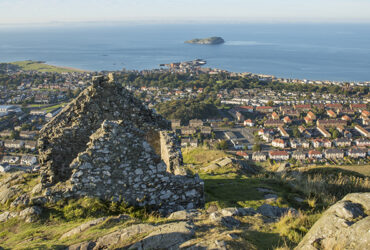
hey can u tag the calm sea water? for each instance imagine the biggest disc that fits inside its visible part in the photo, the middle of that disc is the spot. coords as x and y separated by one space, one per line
306 51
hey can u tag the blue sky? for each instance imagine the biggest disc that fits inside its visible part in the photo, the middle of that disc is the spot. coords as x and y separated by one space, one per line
49 11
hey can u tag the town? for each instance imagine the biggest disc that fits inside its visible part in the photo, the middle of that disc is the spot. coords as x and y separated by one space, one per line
259 123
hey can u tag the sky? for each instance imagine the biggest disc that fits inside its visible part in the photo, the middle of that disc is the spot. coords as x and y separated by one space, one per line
66 11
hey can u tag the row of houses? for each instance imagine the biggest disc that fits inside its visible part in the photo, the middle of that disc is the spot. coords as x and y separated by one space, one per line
318 142
19 144
332 153
26 160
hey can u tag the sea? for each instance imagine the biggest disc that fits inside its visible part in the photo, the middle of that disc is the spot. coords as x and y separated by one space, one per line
336 52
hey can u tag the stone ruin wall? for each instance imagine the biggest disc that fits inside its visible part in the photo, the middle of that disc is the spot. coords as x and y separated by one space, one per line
171 153
106 144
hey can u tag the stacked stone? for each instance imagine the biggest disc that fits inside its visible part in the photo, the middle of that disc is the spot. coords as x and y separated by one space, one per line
106 144
67 134
171 153
118 165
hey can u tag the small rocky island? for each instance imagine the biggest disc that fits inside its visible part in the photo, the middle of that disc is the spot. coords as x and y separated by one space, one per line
207 41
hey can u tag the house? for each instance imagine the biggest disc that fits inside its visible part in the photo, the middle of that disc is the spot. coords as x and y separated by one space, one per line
362 131
31 145
38 112
334 153
334 106
311 115
323 131
10 159
314 154
13 144
188 130
357 152
294 143
189 142
175 124
265 109
326 143
278 143
243 154
246 108
283 132
299 155
346 111
195 123
275 116
331 123
331 113
358 106
28 134
273 123
248 123
292 113
307 120
259 156
302 107
301 129
365 121
28 160
207 131
365 113
287 120
362 143
6 133
346 118
342 142
279 155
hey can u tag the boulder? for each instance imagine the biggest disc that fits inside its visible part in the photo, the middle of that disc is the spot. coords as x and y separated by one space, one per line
274 212
30 214
345 225
184 215
82 227
4 217
167 236
122 235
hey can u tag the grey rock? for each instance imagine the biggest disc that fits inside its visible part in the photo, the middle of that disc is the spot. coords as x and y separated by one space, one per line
82 246
270 197
274 211
122 235
4 217
82 227
345 225
7 193
30 214
184 215
168 236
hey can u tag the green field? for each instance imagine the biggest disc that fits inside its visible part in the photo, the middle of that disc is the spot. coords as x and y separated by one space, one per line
42 67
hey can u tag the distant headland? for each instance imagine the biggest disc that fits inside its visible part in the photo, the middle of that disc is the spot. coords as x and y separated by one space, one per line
207 41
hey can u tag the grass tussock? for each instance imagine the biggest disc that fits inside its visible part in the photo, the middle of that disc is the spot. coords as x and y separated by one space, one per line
293 227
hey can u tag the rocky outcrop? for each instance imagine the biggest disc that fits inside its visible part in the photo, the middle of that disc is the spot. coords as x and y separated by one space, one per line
345 225
106 144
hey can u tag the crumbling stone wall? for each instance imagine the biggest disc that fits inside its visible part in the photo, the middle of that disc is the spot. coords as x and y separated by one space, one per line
106 144
171 153
68 133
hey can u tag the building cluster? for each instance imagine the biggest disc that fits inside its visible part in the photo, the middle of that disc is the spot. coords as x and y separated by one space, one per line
308 131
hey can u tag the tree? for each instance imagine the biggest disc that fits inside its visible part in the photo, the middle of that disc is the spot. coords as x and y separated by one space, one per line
256 147
222 145
296 133
270 103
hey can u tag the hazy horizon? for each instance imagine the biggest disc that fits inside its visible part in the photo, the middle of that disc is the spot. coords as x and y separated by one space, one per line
42 12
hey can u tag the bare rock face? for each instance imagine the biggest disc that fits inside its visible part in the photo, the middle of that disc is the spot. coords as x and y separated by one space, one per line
345 225
106 144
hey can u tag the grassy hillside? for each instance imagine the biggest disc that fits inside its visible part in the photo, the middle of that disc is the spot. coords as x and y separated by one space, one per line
43 67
